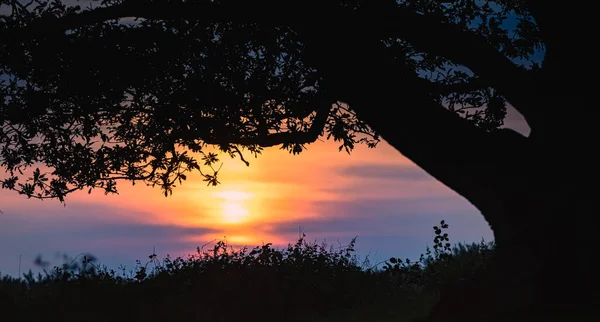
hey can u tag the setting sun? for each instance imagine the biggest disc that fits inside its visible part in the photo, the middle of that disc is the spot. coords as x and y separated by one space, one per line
234 208
234 213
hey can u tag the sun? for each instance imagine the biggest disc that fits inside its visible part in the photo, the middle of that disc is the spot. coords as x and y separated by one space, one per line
234 213
234 206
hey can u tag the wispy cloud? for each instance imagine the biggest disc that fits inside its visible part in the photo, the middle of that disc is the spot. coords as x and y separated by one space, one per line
375 171
75 231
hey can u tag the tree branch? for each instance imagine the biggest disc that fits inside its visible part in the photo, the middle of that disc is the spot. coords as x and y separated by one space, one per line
273 139
546 14
424 32
197 11
448 147
397 107
463 87
466 48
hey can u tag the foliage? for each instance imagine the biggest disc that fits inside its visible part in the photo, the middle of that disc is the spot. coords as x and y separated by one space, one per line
88 97
445 265
303 281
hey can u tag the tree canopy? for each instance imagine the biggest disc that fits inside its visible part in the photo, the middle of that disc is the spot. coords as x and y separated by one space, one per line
140 90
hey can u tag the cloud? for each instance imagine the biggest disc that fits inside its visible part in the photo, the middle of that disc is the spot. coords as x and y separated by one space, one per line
376 181
389 228
411 217
114 242
385 172
17 232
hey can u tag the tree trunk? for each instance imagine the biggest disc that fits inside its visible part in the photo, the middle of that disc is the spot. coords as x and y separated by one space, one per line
545 270
543 218
537 192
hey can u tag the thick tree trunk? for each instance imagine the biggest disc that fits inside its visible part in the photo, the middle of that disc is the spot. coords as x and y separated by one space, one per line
544 223
537 193
545 270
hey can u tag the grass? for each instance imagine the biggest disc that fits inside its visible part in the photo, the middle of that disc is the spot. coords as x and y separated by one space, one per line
303 282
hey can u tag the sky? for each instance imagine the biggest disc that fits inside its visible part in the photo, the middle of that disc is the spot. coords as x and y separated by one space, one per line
376 195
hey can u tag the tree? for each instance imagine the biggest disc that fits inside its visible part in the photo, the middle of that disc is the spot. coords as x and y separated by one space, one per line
95 96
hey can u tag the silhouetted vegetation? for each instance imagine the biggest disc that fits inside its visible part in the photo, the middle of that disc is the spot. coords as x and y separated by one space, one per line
305 281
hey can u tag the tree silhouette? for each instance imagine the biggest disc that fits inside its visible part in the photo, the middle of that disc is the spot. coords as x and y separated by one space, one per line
125 88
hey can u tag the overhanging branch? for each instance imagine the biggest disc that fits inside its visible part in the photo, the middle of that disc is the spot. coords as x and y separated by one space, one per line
424 32
194 11
481 166
463 87
469 160
273 139
465 48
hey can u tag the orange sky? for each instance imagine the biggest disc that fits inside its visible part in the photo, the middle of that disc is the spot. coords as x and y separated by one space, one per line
374 193
276 188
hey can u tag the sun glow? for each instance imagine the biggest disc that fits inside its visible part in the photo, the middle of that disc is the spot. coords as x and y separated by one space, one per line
234 206
234 213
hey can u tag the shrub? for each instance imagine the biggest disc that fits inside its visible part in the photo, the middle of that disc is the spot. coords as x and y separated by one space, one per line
305 280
